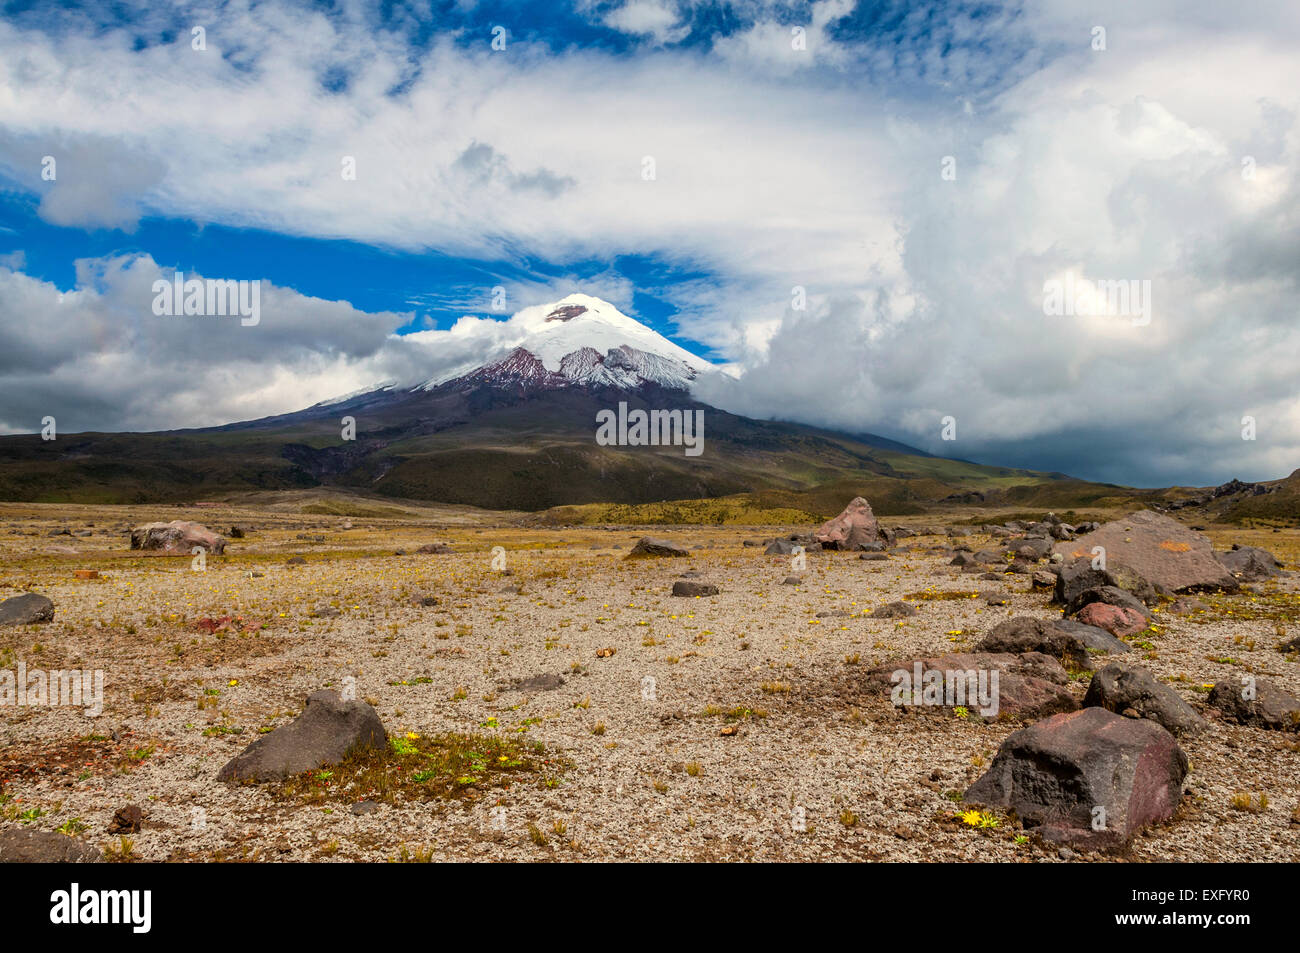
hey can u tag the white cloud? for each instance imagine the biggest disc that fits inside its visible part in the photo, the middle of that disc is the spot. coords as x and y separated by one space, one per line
925 294
653 18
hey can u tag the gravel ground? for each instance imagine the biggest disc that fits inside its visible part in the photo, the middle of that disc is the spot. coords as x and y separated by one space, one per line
871 782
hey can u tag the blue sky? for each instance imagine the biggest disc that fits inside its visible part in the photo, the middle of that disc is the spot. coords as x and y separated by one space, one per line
918 172
434 288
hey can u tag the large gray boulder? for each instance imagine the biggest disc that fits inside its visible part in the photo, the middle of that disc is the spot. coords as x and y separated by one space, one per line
1250 563
1119 688
178 536
326 732
1089 778
1161 550
27 609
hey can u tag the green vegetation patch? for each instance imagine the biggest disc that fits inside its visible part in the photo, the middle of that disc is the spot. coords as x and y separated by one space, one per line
417 768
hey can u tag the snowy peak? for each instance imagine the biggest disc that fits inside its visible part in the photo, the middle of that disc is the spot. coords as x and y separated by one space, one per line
584 341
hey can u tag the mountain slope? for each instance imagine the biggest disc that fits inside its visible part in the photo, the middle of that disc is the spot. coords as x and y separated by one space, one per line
516 431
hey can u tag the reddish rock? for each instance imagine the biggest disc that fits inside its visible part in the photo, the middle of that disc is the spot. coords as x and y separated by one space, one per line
854 529
1029 685
1116 620
127 820
1090 778
1158 549
178 536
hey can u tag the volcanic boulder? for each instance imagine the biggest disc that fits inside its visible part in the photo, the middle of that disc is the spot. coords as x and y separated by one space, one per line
1088 778
1029 685
178 536
1258 703
855 529
685 587
1077 576
1119 687
21 846
648 546
1109 595
27 609
1161 550
1069 643
1250 563
1116 620
325 733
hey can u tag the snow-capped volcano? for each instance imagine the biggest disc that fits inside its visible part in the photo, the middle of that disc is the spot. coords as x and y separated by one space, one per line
584 341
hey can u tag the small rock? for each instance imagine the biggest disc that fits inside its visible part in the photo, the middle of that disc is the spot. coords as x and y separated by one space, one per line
894 610
1116 620
127 820
537 683
648 546
684 587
